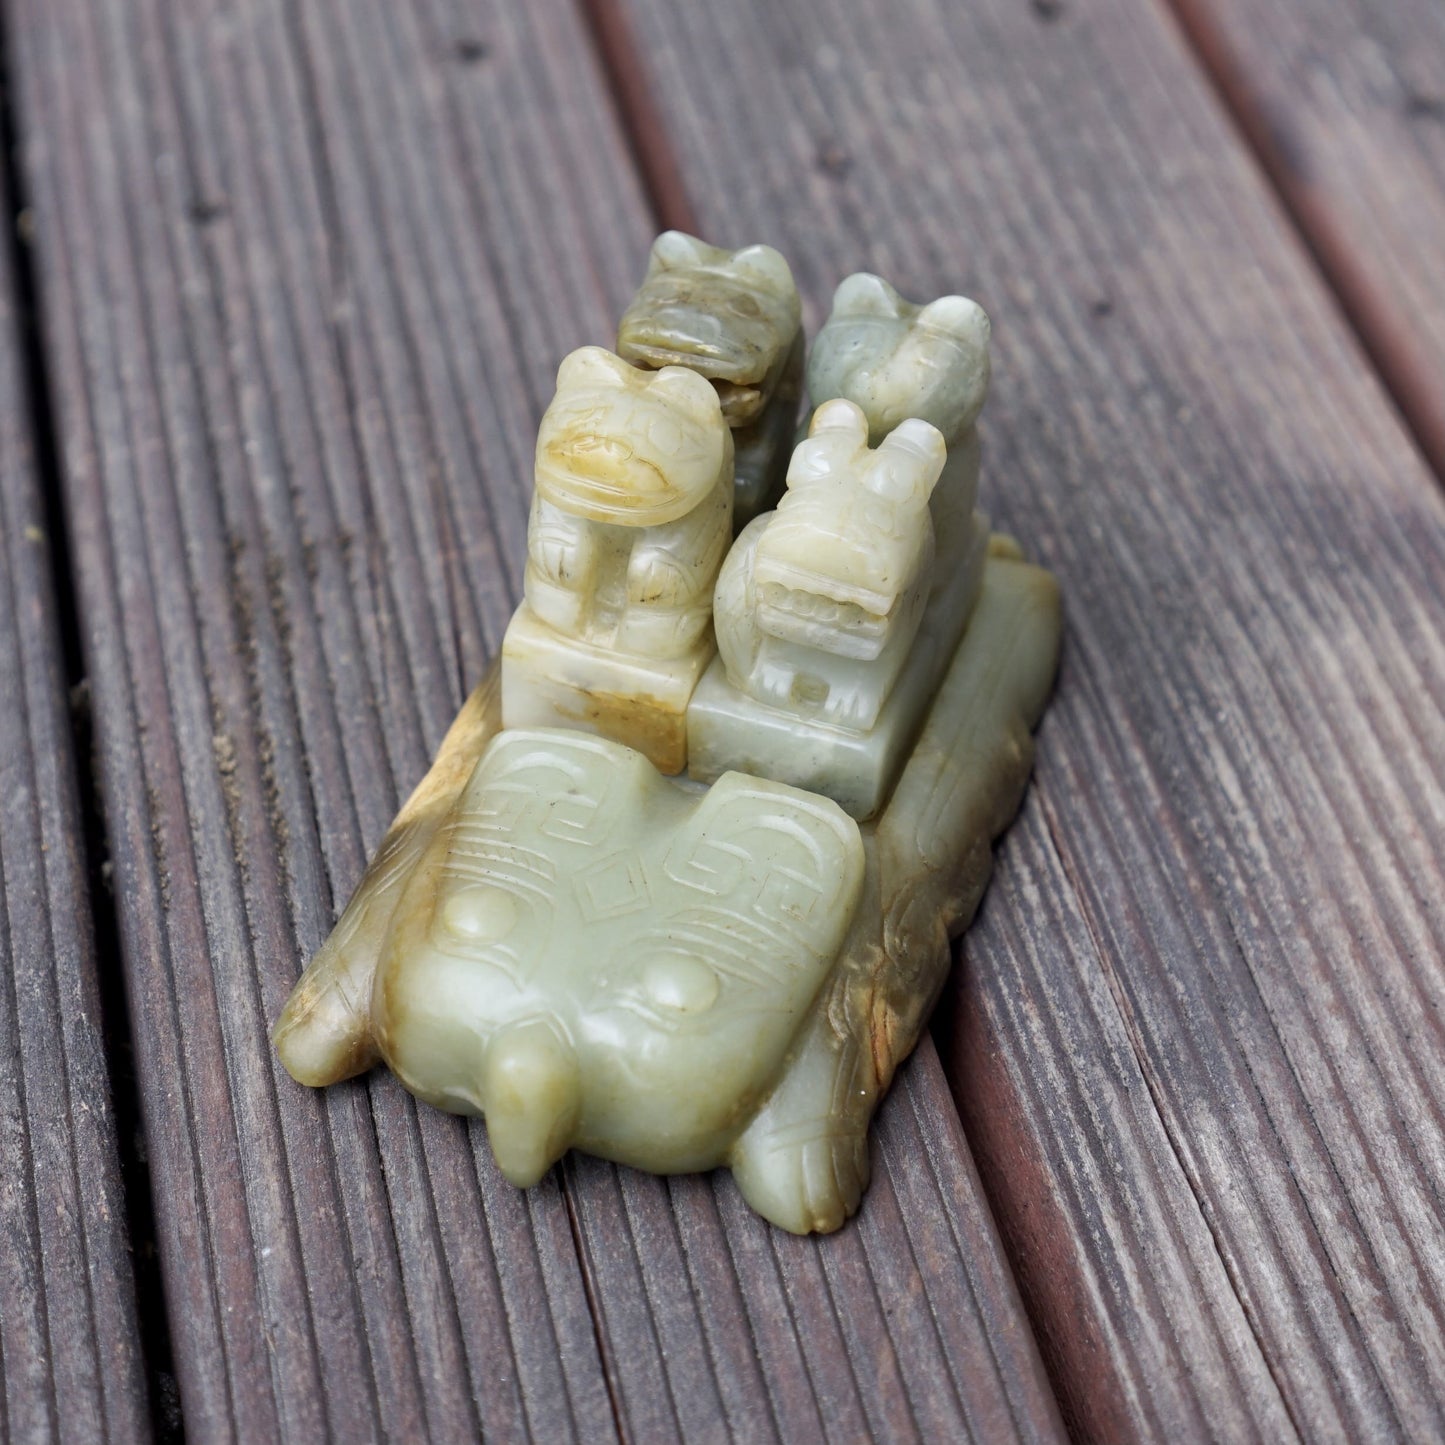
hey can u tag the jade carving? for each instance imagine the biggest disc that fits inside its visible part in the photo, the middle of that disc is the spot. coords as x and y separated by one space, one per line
735 318
631 517
680 886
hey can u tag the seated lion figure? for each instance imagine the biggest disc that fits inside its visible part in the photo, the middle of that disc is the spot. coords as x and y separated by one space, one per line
818 602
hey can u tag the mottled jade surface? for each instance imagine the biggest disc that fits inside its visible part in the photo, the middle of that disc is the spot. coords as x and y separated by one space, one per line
679 887
631 519
735 318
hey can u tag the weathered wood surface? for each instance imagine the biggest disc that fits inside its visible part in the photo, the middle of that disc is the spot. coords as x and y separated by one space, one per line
307 271
1344 101
69 1352
1198 1043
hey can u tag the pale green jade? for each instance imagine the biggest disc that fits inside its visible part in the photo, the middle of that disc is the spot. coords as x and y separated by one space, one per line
593 955
724 970
837 613
735 318
896 360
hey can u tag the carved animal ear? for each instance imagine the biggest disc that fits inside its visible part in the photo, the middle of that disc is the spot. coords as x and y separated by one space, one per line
673 250
966 325
689 393
840 416
912 455
959 317
766 268
863 294
820 456
591 366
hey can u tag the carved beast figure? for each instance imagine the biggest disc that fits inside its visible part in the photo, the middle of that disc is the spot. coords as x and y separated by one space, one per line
819 601
630 513
896 360
630 520
733 317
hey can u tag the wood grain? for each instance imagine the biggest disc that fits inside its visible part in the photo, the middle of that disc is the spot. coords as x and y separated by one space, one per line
308 270
1344 103
70 1361
1197 1042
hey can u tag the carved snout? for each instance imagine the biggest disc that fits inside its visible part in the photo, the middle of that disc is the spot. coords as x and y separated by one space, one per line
532 1097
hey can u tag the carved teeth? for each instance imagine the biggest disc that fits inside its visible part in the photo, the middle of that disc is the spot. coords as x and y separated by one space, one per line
854 522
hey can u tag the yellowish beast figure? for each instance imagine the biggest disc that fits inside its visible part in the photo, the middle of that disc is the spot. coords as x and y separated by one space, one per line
631 518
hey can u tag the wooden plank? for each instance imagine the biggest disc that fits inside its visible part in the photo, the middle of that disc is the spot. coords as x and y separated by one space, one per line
903 1326
340 1265
70 1362
1344 102
308 271
1197 1043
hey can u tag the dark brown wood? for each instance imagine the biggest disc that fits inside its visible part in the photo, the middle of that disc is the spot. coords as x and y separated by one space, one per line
70 1361
904 1326
1344 102
1198 1040
308 270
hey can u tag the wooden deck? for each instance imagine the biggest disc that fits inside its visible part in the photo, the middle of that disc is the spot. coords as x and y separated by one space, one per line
289 283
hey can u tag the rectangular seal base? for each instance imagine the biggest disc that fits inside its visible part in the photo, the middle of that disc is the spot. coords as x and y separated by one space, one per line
549 680
729 731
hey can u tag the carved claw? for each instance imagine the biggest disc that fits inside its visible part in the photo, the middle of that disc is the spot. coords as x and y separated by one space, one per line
655 578
808 1179
803 1162
324 1032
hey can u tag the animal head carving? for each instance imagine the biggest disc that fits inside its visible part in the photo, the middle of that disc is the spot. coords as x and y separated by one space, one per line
589 954
631 447
730 316
852 535
896 360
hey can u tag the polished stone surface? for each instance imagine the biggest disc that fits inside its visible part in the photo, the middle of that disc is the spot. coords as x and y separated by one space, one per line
735 318
723 969
630 521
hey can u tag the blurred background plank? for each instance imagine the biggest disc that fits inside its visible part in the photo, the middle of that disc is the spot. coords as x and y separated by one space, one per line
1344 101
1197 1041
307 271
70 1359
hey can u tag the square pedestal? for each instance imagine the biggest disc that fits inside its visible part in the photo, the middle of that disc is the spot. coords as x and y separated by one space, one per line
549 680
729 731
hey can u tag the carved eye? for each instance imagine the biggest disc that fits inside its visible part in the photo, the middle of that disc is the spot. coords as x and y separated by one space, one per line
677 982
599 444
481 915
664 434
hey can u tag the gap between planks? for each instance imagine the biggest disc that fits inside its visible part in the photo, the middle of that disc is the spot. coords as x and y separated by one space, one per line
659 164
634 95
154 1343
640 116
